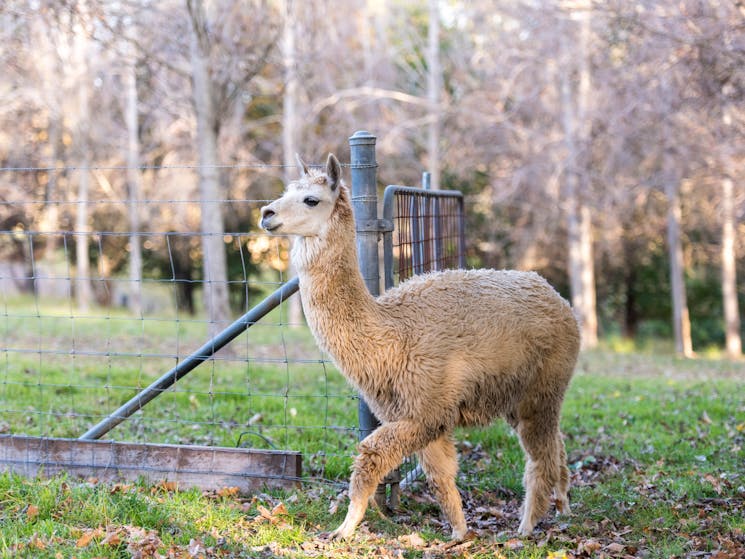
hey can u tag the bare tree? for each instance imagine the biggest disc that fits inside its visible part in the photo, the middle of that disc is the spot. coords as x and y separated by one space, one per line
681 317
133 172
733 344
576 122
82 52
216 300
290 124
47 36
221 67
434 86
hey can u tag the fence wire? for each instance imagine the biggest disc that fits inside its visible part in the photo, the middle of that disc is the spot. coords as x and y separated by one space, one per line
428 232
78 341
66 362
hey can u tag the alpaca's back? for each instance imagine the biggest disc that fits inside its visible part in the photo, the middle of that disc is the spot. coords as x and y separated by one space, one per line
482 305
483 337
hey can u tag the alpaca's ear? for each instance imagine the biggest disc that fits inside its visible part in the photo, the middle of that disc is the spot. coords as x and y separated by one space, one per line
301 164
333 171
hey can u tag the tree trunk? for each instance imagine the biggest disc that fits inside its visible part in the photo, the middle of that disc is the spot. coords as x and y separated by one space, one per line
590 326
576 124
290 125
50 214
83 289
589 296
434 81
729 280
133 184
50 66
681 319
213 248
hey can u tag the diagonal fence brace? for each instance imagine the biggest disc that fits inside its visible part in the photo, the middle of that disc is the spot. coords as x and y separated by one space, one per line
192 361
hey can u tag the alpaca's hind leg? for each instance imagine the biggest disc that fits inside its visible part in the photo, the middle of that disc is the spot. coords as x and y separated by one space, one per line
561 492
440 463
538 436
379 453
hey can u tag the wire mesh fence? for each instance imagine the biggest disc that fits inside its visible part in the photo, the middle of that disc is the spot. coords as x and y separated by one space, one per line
100 297
66 362
428 232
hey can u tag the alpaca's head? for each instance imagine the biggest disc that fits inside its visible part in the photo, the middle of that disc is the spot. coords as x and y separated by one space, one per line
306 207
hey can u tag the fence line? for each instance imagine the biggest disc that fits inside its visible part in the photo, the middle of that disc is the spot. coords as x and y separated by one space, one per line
179 166
63 369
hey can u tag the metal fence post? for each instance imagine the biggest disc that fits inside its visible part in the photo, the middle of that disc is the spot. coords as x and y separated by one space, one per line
365 206
368 227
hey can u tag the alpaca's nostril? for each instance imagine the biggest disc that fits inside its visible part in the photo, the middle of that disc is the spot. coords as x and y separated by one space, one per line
268 221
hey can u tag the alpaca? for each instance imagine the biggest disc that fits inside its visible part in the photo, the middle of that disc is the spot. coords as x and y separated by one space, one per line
443 349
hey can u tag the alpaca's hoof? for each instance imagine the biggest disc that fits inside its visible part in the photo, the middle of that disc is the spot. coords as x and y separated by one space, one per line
562 506
331 536
459 535
525 529
462 535
343 532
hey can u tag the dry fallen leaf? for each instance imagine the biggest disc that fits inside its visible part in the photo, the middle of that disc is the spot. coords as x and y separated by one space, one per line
615 548
514 544
142 543
196 547
120 488
588 546
37 543
227 492
113 539
32 512
88 537
413 540
279 510
716 483
167 486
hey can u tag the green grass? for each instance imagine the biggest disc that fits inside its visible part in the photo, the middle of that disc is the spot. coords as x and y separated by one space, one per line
656 453
655 448
60 373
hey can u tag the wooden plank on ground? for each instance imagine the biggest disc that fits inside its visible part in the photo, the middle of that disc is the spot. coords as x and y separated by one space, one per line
188 466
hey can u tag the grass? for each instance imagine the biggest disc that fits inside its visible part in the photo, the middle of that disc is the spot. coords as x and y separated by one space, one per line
60 373
655 448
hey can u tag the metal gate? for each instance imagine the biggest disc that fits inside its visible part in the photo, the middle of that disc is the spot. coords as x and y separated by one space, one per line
428 231
423 231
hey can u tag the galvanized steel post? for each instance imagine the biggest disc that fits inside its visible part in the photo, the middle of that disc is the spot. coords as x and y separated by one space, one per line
365 206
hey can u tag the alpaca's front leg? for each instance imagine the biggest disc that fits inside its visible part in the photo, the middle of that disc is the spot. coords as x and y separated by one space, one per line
379 453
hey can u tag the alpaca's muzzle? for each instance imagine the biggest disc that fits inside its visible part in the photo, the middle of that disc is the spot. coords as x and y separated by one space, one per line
267 215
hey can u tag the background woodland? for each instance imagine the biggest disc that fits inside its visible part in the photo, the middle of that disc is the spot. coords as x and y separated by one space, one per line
599 143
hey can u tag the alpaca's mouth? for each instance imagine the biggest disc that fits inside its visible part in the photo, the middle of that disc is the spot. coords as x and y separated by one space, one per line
270 228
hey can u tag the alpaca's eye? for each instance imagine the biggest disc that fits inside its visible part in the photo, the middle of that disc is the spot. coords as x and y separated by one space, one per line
310 201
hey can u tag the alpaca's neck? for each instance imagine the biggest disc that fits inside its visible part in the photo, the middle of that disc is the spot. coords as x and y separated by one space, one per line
330 279
340 310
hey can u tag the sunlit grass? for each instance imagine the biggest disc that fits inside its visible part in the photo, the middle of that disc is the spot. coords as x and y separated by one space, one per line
662 436
60 373
666 443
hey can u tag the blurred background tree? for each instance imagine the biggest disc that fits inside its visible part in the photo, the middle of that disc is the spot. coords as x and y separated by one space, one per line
599 143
